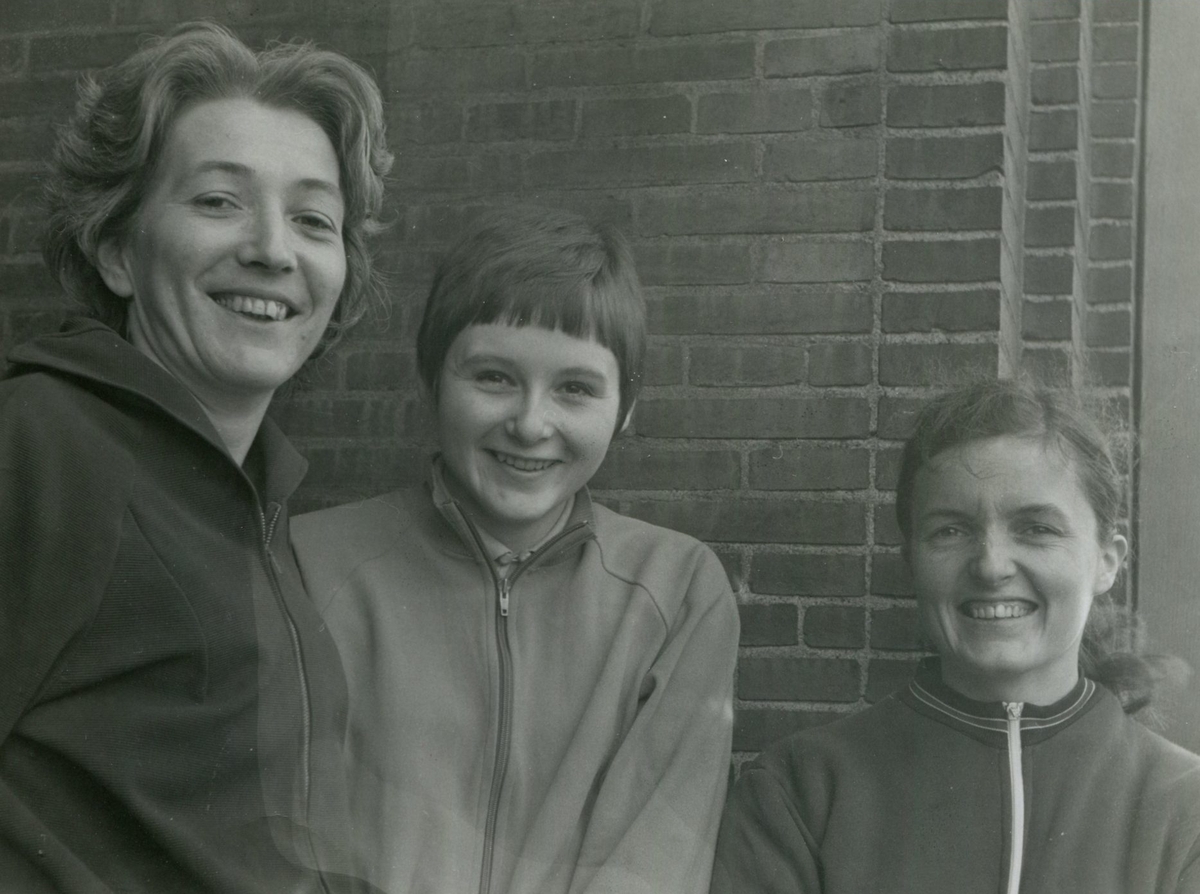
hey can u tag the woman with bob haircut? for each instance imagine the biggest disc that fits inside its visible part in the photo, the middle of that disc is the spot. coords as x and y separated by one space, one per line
170 696
540 688
1010 763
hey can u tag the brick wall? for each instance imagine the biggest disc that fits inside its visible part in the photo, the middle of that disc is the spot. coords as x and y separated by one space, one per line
832 202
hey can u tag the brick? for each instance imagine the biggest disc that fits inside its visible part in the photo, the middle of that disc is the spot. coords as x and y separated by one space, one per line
492 172
958 311
40 15
344 416
839 363
956 49
805 210
909 364
1054 41
550 120
1050 180
834 627
821 160
807 575
798 679
634 65
890 575
1054 130
687 17
760 315
977 208
475 24
774 624
458 71
25 140
1049 274
381 371
1054 9
1047 363
1115 43
632 465
797 417
1116 10
946 10
758 521
365 468
938 158
24 325
756 728
664 366
895 628
850 105
752 365
1047 320
945 105
637 115
1114 118
693 264
1109 330
1111 159
846 52
23 282
258 12
1110 368
959 260
1110 285
896 415
815 262
426 122
20 189
809 467
1054 86
72 52
48 97
641 165
887 529
885 676
1050 227
1116 81
887 473
1110 241
775 111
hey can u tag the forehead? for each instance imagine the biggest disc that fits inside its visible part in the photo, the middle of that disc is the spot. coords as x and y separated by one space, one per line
243 137
532 347
1008 473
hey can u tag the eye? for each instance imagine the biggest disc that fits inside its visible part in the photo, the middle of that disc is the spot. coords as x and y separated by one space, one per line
577 389
317 222
947 534
1037 529
214 202
492 379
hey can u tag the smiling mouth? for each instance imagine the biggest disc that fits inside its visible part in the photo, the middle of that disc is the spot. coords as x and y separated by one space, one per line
997 611
522 464
265 309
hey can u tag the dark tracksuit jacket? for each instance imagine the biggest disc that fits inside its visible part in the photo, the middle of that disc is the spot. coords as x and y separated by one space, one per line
166 691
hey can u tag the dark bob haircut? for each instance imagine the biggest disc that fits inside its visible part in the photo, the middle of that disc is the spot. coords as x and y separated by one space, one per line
530 266
107 154
1056 416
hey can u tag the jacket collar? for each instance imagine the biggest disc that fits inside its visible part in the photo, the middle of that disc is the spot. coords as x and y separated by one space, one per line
90 351
987 722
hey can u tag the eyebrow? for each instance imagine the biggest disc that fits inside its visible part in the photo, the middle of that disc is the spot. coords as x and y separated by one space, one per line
239 170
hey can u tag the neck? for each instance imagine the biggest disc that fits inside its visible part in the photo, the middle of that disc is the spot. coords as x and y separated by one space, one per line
237 430
1033 689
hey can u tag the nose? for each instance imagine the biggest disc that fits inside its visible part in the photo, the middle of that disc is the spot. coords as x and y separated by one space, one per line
530 419
266 242
993 559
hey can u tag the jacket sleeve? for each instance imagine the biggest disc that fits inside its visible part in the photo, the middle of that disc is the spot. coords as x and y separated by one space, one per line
60 517
654 821
764 846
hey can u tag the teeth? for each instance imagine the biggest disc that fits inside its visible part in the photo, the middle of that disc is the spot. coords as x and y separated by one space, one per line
524 465
987 611
255 307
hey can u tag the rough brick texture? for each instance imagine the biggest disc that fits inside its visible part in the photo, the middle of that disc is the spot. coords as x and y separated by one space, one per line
823 199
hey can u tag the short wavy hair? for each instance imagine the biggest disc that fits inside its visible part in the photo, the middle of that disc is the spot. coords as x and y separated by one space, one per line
106 155
526 265
1111 652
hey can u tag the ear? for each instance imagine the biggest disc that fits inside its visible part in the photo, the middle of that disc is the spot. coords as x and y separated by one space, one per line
628 417
114 267
1112 557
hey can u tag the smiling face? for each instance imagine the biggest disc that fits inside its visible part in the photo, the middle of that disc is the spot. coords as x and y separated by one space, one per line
524 418
234 261
1006 560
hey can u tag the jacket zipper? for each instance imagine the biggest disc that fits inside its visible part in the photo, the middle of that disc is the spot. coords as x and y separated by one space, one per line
273 574
1016 781
504 734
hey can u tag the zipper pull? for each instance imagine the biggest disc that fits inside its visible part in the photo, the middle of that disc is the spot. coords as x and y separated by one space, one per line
505 587
1013 709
